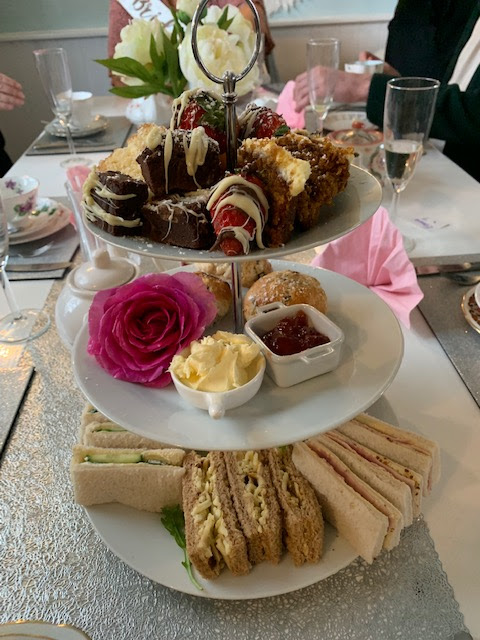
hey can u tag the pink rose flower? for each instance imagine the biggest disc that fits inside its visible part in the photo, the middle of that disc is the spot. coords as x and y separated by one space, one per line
137 328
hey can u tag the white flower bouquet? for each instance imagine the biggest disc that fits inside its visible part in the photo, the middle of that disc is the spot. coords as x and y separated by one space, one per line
152 57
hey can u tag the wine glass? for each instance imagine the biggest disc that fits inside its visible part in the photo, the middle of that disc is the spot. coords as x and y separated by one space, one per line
323 56
408 115
19 325
52 66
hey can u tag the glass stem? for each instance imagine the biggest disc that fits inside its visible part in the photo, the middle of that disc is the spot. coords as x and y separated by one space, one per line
71 146
394 206
319 124
12 304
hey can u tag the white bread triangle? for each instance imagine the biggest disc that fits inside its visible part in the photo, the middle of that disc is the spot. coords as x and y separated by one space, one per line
430 447
394 490
355 518
381 443
143 486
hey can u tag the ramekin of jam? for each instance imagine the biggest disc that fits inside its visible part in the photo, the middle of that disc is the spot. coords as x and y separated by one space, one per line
298 341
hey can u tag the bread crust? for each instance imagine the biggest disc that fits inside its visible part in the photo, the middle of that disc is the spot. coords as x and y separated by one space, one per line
225 542
143 486
301 511
341 505
256 504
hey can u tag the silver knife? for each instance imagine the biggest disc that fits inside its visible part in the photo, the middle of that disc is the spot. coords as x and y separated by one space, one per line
432 269
37 266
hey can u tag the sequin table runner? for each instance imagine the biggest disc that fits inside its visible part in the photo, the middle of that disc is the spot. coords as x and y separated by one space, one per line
54 566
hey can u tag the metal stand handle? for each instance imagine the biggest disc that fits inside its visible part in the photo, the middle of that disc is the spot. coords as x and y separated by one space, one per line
229 97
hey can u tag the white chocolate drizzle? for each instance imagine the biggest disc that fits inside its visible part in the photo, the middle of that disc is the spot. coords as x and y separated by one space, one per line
235 191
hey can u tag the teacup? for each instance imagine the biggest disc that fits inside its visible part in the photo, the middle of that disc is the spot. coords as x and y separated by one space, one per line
19 198
81 109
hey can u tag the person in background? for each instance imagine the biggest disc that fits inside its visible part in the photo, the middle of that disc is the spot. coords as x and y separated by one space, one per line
11 96
439 39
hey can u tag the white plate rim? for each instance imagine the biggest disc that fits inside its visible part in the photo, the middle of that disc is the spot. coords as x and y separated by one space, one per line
60 631
363 195
345 118
156 556
58 221
97 124
363 375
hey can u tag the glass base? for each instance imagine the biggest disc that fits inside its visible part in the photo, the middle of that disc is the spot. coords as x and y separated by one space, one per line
408 243
75 161
31 324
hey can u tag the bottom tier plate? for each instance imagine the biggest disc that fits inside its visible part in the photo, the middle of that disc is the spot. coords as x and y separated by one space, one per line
371 356
140 540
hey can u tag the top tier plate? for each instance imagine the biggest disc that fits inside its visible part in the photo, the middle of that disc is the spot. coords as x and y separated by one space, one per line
353 206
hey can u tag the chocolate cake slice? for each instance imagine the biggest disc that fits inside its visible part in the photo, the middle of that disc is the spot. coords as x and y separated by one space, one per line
113 201
182 221
183 161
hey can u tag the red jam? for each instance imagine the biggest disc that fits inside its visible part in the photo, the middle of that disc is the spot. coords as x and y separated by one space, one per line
292 335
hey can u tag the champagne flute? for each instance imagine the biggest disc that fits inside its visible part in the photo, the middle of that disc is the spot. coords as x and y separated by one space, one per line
323 56
408 115
52 66
19 325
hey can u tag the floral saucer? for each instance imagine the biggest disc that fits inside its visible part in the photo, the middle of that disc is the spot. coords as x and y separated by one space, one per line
49 217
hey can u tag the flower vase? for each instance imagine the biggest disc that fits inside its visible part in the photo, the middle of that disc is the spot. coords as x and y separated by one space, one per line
155 108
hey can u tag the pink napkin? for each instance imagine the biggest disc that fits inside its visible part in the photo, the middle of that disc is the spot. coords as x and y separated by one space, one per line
77 176
374 256
286 107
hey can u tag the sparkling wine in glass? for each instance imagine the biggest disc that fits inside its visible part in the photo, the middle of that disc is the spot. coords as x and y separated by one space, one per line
408 115
54 72
323 56
19 325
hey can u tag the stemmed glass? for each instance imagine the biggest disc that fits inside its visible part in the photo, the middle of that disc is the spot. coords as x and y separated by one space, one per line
408 115
19 325
323 56
52 66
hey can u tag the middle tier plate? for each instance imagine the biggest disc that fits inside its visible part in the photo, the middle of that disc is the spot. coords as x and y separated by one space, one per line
371 357
355 205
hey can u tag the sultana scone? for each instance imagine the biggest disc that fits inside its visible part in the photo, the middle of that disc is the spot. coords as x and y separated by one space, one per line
287 287
251 270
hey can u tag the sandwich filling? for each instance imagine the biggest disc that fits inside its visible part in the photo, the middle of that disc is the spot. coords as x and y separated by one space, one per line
207 515
252 469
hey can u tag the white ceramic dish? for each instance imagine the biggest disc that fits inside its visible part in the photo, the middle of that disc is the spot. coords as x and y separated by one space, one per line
140 540
477 295
97 124
371 355
54 216
218 403
287 371
355 205
471 309
40 629
337 120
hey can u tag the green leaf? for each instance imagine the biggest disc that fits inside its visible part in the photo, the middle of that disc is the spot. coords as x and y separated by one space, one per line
127 67
214 115
138 91
223 21
174 73
183 17
282 130
174 522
